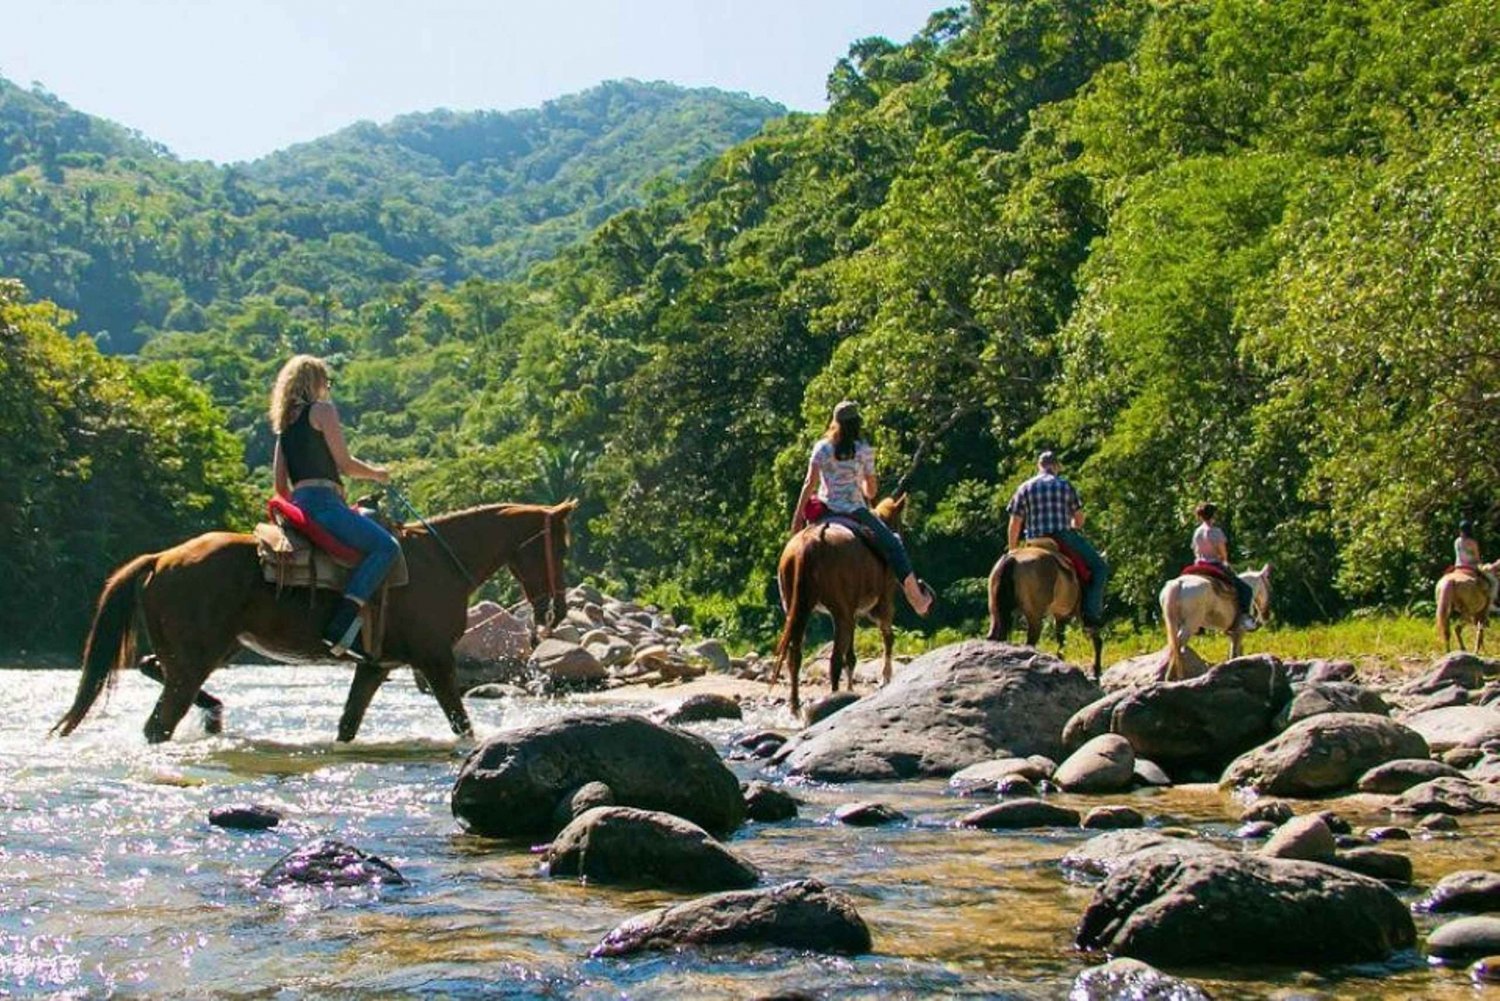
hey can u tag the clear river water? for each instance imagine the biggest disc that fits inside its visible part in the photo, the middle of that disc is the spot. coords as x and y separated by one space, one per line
113 883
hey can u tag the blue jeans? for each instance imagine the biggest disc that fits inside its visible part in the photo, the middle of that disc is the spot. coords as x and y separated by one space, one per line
886 541
324 506
1093 594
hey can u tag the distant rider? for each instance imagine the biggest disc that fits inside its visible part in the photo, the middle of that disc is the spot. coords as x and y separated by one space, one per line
1211 545
1048 506
310 455
1466 554
842 472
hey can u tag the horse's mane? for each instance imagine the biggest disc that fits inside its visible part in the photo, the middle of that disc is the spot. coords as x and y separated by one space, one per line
565 508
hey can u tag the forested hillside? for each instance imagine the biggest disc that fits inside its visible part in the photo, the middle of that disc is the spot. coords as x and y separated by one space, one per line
134 241
1214 249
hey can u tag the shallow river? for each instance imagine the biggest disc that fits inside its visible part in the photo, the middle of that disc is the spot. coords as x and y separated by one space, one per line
112 882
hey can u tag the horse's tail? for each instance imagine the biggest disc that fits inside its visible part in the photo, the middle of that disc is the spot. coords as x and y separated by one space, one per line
1002 597
1444 609
1171 599
798 611
111 641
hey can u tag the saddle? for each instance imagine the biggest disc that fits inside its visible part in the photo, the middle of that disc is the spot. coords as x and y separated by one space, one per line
821 517
1069 559
297 552
1221 579
1470 571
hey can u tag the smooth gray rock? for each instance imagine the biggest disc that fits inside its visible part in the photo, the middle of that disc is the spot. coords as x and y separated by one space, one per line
1020 813
1131 980
565 661
1306 838
1476 891
245 817
1400 775
1456 726
331 863
1277 811
1313 698
1466 670
580 801
618 844
1232 908
1323 754
1386 866
1149 773
1313 671
801 915
820 709
985 775
950 708
510 784
867 814
1458 796
703 707
1112 817
1102 855
767 803
1104 764
1465 938
1148 669
1014 786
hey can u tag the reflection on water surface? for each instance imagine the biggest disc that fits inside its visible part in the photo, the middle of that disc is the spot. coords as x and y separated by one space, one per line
112 881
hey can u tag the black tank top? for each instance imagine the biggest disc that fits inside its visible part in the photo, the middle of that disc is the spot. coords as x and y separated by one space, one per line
306 452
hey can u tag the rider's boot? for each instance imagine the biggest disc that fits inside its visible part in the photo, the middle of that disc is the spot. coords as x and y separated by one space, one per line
1247 623
918 594
342 634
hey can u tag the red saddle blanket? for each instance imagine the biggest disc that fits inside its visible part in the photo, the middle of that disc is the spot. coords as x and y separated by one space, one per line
1212 570
1075 561
288 515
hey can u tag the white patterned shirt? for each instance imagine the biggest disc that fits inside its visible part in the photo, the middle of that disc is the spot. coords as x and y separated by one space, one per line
841 480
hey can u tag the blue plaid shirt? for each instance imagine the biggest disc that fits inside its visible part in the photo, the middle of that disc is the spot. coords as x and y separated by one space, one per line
1046 503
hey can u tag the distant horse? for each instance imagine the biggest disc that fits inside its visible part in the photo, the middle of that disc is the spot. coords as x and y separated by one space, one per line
1033 580
199 601
826 568
1190 604
1466 596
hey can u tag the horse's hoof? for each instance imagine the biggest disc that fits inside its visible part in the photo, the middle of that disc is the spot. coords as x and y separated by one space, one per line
213 722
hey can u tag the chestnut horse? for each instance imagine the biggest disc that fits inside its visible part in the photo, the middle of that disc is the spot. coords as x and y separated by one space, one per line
1032 580
825 567
199 601
1463 596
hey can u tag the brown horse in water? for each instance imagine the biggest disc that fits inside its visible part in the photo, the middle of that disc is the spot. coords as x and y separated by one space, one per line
826 567
199 601
1032 580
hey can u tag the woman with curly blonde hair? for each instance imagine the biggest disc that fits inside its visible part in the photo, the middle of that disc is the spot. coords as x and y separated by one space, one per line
310 456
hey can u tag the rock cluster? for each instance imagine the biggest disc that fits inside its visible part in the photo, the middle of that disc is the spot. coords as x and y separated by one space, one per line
604 641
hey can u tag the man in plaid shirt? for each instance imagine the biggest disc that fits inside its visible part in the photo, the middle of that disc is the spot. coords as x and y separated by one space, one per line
1047 505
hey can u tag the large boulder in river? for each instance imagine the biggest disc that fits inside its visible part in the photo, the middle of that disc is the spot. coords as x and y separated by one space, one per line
948 709
1104 764
1456 726
511 784
1313 698
1104 853
618 844
801 915
1202 722
1449 795
563 661
1241 908
1403 773
1323 754
1148 669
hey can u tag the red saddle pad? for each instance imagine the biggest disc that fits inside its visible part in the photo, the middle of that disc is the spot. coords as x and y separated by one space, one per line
291 516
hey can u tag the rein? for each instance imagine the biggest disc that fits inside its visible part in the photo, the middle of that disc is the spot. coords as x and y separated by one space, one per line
554 577
473 584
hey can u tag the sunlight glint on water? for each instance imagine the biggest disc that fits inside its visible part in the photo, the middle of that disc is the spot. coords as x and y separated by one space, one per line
112 881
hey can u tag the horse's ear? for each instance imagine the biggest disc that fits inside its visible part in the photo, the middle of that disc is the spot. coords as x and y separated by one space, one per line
567 507
1265 571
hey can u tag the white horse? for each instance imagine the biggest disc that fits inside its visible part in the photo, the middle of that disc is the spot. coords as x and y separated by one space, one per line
1191 603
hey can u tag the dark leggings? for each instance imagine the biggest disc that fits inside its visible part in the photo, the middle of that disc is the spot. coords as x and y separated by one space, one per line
887 541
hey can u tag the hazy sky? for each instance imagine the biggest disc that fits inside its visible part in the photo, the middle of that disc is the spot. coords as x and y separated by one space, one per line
235 79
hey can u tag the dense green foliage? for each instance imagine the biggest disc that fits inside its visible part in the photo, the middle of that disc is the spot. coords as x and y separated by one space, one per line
102 460
1213 249
134 241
